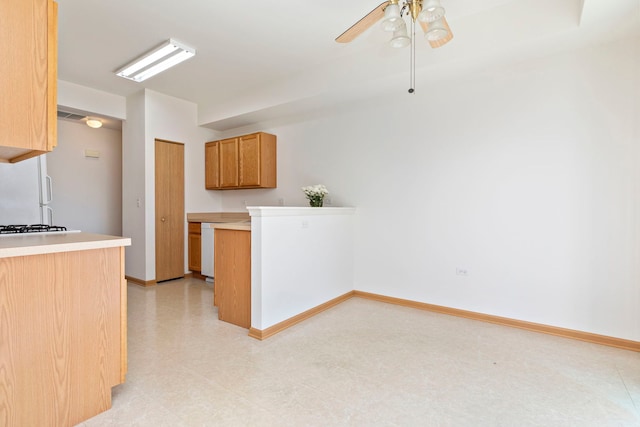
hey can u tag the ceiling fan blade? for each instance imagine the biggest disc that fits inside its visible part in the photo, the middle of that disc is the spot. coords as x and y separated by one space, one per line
362 25
441 42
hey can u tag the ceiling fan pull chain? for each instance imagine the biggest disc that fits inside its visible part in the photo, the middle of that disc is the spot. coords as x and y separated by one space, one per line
412 55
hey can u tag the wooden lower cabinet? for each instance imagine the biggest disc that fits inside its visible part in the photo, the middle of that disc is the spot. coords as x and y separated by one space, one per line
232 272
63 336
195 247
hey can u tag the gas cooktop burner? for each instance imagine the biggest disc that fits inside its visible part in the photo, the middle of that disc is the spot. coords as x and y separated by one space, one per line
34 228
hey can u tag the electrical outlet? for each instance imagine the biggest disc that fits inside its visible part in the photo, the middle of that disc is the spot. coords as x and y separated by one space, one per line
138 202
327 201
280 201
462 271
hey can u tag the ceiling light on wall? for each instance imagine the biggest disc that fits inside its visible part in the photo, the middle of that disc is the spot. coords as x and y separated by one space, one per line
165 56
94 123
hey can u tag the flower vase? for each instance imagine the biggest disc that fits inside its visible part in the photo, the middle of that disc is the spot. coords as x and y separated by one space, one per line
315 203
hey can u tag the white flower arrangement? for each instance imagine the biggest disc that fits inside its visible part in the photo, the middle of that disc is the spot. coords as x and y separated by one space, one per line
315 194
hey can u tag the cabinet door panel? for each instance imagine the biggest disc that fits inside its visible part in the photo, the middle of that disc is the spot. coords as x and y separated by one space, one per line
250 173
228 151
211 170
195 243
232 271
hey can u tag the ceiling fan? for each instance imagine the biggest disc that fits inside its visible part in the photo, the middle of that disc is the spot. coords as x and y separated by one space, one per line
428 13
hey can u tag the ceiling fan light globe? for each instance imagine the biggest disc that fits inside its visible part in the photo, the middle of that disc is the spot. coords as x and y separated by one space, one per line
431 11
400 39
392 20
392 24
436 31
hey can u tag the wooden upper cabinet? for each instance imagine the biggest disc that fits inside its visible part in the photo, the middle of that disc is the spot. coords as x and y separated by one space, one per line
28 105
211 170
247 161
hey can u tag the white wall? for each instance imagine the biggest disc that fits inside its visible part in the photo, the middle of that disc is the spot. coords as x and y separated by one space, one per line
87 191
134 200
300 258
92 100
526 176
151 116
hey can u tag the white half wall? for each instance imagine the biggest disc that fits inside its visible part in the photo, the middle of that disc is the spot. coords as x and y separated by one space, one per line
526 176
300 259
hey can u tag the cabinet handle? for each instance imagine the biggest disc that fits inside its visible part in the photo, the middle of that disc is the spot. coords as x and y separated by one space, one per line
162 219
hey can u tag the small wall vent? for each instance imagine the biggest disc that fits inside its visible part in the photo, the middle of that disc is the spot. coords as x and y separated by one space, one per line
70 116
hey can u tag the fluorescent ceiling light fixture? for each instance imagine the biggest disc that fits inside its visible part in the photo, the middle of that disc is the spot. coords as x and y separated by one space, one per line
165 56
93 123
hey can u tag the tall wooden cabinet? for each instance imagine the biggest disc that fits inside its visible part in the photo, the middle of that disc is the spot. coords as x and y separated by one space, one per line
247 161
28 70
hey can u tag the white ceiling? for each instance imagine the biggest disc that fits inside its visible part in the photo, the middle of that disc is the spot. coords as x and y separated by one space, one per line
259 59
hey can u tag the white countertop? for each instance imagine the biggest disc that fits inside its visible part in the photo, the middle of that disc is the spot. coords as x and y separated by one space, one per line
35 244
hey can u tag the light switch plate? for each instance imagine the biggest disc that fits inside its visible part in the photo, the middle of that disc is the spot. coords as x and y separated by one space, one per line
92 153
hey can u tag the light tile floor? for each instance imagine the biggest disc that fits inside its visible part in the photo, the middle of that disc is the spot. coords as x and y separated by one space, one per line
362 363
